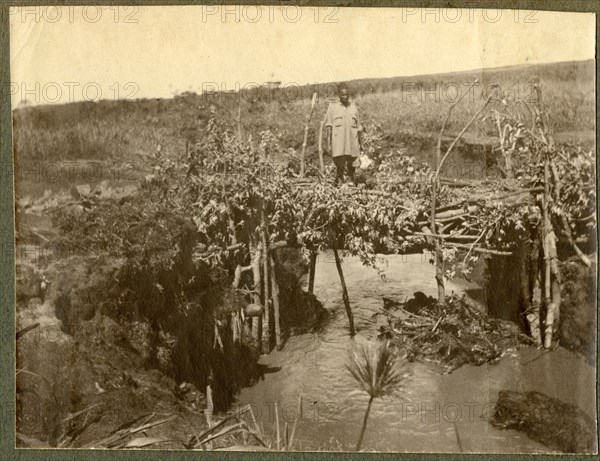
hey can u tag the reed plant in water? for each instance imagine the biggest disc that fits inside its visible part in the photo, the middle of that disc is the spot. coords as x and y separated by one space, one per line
376 371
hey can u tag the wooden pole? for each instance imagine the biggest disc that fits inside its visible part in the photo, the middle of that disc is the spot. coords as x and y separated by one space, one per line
533 314
257 321
439 272
266 336
506 151
445 236
556 281
345 297
554 287
548 235
321 162
477 249
275 289
304 143
311 272
240 135
439 255
208 413
439 162
231 224
238 274
549 255
251 145
556 292
234 329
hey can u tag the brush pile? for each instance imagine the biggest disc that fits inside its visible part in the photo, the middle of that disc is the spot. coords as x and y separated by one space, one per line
450 336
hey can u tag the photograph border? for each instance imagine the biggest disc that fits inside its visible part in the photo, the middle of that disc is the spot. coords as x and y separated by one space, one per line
7 228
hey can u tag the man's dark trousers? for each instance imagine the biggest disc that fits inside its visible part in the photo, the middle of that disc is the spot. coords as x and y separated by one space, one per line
342 162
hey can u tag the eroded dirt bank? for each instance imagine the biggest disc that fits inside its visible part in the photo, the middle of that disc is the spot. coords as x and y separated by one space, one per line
86 368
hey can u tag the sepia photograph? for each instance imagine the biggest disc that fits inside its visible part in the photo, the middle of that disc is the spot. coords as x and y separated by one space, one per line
292 228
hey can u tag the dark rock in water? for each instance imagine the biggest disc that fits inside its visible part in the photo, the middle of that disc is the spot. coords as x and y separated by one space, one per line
413 305
558 425
419 301
390 303
384 333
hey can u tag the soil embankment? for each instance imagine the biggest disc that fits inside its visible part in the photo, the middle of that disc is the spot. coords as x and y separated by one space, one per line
87 367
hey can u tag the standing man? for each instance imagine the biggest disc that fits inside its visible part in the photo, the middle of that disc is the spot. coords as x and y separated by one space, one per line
344 134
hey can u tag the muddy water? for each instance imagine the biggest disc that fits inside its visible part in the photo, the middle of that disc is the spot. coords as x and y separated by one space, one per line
431 412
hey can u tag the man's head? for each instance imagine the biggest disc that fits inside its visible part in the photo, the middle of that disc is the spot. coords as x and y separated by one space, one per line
344 94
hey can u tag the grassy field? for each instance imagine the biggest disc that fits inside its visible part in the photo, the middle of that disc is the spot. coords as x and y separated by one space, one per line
410 110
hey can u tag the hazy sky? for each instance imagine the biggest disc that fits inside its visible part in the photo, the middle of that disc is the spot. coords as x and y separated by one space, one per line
60 54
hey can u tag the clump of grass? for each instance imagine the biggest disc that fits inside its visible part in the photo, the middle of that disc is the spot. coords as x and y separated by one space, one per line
377 373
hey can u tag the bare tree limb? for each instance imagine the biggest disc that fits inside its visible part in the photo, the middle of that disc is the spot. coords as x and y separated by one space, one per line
460 135
304 143
564 220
